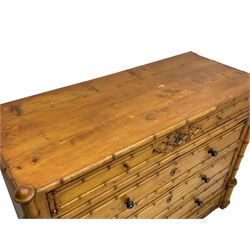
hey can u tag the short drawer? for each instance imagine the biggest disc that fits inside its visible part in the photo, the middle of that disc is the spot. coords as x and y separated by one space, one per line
162 174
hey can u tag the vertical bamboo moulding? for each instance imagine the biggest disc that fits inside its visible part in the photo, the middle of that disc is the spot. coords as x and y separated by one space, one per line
232 180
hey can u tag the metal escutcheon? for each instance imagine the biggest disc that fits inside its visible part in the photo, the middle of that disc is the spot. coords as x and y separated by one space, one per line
173 172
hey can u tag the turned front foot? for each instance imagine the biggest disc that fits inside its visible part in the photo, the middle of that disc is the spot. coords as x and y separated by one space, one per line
24 196
226 199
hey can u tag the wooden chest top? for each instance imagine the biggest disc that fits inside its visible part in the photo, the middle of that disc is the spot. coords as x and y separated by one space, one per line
61 133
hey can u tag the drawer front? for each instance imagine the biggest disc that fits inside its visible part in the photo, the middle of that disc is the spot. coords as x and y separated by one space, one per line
163 179
179 195
91 189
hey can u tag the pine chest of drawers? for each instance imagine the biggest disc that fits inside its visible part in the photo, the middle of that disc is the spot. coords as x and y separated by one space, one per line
163 140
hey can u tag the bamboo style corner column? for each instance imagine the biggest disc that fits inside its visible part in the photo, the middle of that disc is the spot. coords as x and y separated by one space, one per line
236 162
25 197
22 196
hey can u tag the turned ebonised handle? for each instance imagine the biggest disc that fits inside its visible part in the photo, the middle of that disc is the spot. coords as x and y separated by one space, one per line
129 203
213 152
206 179
199 202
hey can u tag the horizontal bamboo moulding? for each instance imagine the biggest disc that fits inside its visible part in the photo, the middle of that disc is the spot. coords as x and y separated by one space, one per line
163 140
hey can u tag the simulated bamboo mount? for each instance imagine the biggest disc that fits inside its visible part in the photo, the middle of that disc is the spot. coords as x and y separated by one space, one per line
163 140
232 182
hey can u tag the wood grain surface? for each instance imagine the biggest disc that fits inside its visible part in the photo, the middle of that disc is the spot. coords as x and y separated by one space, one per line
55 134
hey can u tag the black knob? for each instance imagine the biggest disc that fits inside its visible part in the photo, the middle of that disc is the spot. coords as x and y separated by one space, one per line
206 179
199 202
129 203
213 152
126 166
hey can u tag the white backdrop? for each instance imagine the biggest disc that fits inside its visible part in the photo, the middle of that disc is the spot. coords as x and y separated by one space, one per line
49 44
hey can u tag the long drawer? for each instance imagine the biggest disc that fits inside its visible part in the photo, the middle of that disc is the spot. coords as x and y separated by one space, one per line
162 181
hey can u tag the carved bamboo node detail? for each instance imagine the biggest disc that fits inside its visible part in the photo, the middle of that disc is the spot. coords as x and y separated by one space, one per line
24 194
232 183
